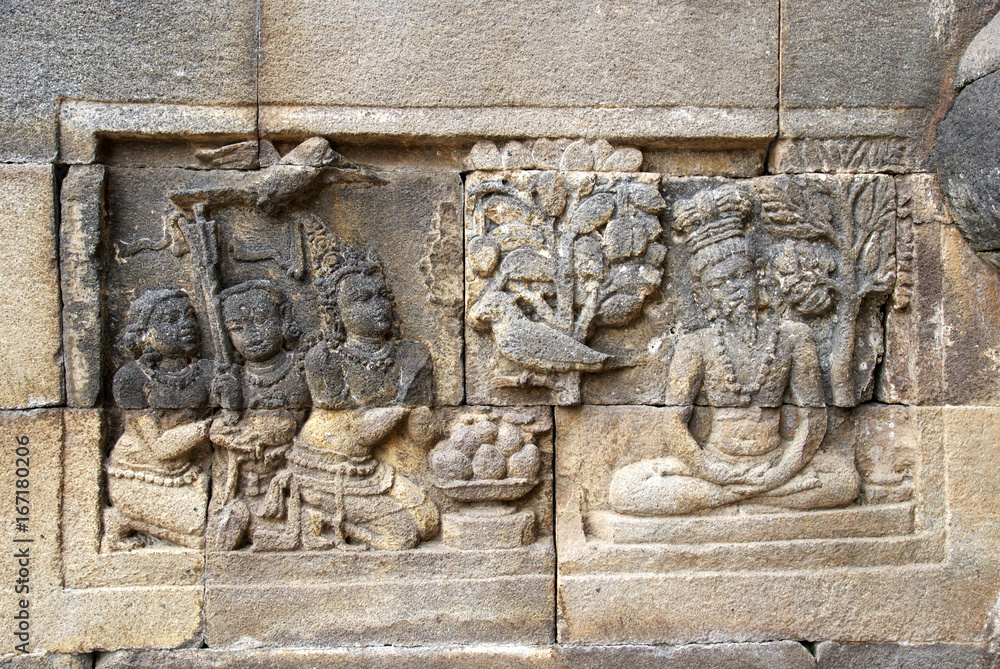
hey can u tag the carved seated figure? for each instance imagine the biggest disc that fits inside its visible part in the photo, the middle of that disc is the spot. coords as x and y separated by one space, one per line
154 484
750 413
339 494
270 383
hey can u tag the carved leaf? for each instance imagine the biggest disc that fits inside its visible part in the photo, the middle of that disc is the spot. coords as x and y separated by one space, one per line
873 209
577 156
525 265
512 236
625 159
592 213
625 237
503 209
619 310
645 197
551 193
789 210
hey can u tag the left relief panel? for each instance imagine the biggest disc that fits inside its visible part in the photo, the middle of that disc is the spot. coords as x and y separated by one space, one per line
272 349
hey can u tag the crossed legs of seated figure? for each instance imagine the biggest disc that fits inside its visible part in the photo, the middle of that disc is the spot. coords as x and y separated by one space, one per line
665 487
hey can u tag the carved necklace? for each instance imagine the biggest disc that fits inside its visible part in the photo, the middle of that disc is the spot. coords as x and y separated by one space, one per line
271 377
743 391
178 380
380 360
187 477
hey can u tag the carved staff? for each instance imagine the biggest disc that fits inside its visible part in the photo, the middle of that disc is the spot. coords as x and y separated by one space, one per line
202 237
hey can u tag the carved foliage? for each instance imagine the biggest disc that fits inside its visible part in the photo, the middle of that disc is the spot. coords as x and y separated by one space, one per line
834 263
556 256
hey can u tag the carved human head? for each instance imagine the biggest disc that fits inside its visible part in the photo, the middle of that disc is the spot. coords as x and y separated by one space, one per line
354 294
712 224
258 319
162 321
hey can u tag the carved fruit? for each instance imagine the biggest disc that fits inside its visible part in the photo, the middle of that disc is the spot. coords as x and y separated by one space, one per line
485 431
489 463
484 253
525 463
423 426
509 439
464 440
451 465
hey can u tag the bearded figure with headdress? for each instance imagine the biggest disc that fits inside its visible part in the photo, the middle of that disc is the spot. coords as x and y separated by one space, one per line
362 377
750 413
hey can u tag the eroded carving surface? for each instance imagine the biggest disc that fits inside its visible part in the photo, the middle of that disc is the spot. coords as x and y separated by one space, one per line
292 409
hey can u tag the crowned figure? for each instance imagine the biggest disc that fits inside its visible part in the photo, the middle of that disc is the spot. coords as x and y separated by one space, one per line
362 376
749 414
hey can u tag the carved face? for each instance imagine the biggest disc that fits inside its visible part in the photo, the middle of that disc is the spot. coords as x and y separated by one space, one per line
173 328
254 324
731 285
365 308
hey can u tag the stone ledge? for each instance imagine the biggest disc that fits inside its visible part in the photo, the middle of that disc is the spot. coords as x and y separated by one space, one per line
835 655
83 124
655 126
774 655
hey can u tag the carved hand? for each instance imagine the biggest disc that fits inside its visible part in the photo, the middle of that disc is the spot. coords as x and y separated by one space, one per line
226 387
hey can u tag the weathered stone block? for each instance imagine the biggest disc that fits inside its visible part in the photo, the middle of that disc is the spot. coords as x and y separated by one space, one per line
981 57
834 655
595 56
911 371
30 341
861 82
971 323
47 661
967 141
115 599
702 576
32 575
141 52
82 228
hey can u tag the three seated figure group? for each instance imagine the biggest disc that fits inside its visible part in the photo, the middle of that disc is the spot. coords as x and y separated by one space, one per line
285 477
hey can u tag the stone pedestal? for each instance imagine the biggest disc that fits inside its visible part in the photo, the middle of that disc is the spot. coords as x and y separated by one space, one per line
487 527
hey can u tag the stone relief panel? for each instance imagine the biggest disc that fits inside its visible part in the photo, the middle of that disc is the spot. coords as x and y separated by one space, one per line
281 352
253 330
285 396
579 285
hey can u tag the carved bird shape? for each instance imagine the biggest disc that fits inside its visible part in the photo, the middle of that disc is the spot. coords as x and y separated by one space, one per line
304 169
536 346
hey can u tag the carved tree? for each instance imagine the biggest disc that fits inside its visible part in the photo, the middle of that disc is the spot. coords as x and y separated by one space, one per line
562 255
853 221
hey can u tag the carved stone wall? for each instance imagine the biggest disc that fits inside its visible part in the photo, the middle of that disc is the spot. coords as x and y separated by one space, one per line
527 334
